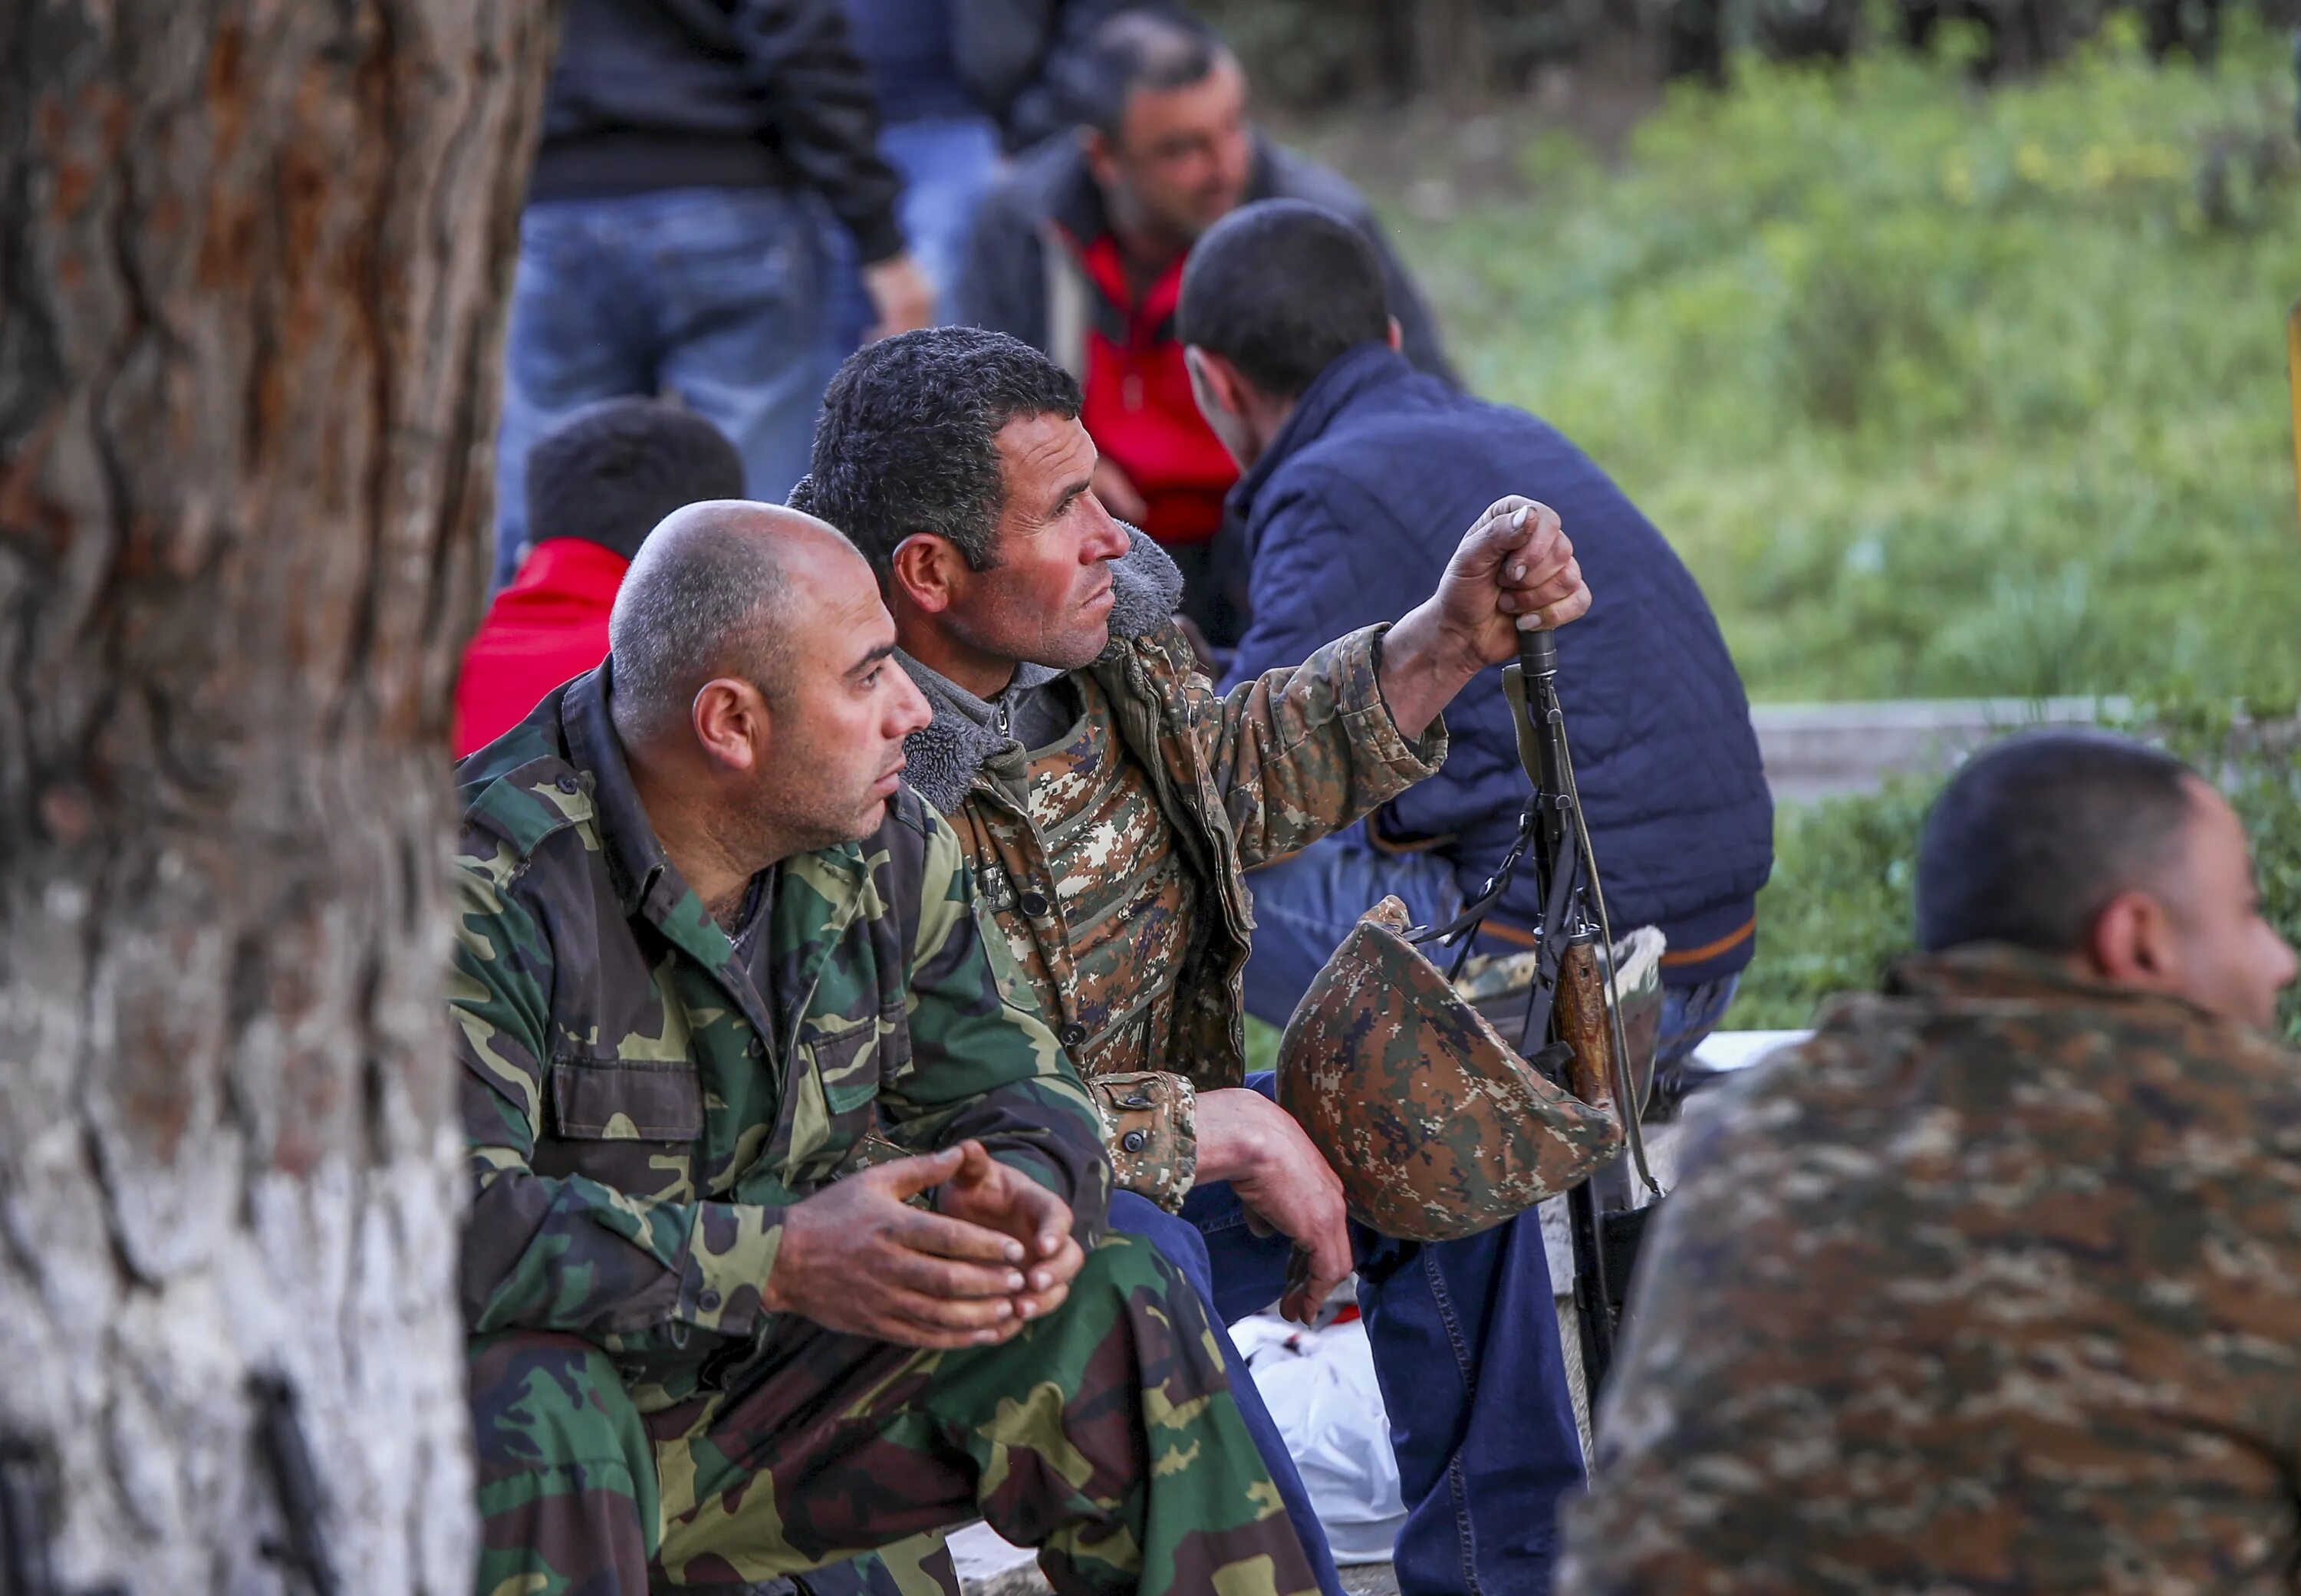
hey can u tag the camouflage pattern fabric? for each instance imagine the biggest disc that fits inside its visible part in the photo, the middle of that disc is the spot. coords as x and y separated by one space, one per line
1105 1434
1436 1128
638 1114
1993 1286
1240 780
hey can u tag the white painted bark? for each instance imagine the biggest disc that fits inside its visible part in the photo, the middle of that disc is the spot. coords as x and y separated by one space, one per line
253 261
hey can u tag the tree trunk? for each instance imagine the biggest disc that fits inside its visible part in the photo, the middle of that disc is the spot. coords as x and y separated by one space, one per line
253 261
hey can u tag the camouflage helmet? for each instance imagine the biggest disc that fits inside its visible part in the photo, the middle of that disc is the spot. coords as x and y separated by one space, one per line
1437 1129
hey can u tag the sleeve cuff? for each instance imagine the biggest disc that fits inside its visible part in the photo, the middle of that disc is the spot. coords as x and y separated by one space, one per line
1152 1117
729 1255
878 237
1373 734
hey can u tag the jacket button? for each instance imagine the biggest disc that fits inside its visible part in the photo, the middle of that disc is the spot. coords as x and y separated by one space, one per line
1072 1034
1032 904
569 785
709 1300
1133 1140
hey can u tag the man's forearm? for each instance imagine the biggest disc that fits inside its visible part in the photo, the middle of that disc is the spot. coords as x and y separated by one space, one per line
1421 670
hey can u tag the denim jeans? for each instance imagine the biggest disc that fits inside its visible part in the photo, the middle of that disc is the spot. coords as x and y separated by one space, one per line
948 164
715 294
1689 1013
1306 904
1465 1342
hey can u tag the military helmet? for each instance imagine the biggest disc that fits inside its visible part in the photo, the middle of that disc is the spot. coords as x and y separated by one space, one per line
1436 1128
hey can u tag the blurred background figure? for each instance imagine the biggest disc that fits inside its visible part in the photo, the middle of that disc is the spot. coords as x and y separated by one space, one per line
692 151
1080 252
595 488
958 82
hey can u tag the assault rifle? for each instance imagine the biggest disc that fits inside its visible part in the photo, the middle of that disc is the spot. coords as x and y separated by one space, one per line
1572 1008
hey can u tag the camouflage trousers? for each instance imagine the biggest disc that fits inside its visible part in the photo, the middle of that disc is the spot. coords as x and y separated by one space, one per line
1105 1434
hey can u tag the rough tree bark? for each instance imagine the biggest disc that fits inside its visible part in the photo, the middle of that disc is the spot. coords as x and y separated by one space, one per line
252 260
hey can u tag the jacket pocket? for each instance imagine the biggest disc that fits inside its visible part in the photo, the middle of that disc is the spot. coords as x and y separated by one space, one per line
626 1100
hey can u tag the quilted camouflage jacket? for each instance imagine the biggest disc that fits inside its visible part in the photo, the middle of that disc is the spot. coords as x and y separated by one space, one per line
638 1121
1242 779
1994 1285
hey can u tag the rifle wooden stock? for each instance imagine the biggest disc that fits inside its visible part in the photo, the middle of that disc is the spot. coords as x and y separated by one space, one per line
1582 1025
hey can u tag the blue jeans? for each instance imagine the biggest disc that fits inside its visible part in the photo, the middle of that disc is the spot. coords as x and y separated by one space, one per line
948 164
1306 904
1689 1013
716 295
1465 1342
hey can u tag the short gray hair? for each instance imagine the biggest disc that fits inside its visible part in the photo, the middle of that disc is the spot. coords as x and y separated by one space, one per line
704 598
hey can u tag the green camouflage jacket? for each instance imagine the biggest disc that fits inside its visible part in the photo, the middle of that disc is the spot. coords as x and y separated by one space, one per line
1244 779
637 1122
1993 1285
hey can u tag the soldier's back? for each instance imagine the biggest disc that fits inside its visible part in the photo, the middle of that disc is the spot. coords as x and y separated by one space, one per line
1995 1285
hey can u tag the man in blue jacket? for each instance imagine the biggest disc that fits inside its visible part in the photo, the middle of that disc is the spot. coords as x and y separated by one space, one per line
1359 472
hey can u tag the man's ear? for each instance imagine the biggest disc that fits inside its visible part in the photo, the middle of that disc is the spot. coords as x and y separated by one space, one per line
1101 159
925 571
731 720
2133 944
1397 335
1215 380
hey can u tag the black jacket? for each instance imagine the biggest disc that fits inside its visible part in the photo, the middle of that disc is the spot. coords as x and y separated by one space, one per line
737 93
1020 275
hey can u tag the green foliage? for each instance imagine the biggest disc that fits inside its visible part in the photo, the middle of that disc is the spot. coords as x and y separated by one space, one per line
1938 391
1837 910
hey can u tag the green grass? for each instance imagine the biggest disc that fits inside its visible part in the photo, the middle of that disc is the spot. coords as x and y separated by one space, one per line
1837 910
1938 391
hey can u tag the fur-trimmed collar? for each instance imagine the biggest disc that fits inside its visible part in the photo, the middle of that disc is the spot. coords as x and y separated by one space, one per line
943 756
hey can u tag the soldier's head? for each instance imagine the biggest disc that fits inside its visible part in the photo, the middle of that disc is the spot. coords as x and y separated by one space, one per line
2111 857
613 469
1165 132
753 686
955 460
1275 292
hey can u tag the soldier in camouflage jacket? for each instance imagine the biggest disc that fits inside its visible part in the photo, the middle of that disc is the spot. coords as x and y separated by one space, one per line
1994 1285
649 1096
1111 801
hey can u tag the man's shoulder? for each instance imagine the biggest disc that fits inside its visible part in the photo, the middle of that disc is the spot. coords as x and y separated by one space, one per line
1293 175
516 793
1046 182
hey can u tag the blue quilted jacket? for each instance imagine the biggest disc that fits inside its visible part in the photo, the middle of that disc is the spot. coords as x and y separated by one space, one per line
1351 518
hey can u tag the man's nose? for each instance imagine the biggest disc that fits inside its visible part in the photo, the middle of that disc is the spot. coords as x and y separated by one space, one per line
910 709
1106 541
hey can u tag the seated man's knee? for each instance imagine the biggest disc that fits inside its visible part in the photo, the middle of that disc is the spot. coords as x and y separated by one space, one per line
540 1399
1176 1240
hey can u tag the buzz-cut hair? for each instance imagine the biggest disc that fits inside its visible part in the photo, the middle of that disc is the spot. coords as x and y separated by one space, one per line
2032 839
701 605
1282 289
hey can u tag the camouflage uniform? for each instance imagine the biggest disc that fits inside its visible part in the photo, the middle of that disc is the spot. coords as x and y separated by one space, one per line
1141 968
636 1408
1993 1285
1219 784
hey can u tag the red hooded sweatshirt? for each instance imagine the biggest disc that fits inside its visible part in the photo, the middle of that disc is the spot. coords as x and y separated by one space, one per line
549 625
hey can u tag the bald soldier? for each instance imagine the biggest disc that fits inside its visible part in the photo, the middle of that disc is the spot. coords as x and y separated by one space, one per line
1995 1285
707 940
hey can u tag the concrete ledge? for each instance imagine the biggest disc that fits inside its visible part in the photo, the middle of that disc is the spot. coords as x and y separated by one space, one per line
1819 750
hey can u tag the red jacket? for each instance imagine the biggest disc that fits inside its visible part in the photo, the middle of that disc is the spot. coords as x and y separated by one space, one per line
550 624
1138 407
